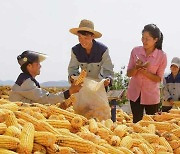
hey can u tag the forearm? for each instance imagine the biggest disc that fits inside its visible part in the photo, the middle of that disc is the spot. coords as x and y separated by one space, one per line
152 77
132 72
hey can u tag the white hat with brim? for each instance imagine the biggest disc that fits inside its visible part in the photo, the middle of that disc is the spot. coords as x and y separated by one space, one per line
30 56
86 25
176 61
42 57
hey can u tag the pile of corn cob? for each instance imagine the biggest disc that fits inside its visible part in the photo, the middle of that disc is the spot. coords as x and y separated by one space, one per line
40 129
4 91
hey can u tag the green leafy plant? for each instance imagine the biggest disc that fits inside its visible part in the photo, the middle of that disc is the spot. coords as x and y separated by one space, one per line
121 82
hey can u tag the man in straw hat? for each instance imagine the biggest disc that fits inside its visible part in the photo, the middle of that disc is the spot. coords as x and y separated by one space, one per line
27 89
90 55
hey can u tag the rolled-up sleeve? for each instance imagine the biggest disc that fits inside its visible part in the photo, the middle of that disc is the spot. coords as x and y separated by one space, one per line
30 91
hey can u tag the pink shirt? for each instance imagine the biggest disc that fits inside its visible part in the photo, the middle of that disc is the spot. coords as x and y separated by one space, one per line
140 84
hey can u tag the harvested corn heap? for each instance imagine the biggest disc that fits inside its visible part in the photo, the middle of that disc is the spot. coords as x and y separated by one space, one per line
42 129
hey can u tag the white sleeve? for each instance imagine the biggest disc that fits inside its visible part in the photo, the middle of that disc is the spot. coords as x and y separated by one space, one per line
30 91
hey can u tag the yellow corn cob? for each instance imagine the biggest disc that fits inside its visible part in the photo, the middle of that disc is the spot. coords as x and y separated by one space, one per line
39 147
120 130
68 115
38 152
159 125
89 136
47 127
35 109
159 148
114 140
5 96
136 142
57 117
151 138
174 144
174 111
113 150
81 77
138 136
100 125
43 108
99 152
147 117
146 149
85 129
152 128
176 132
3 128
59 123
38 116
67 133
125 150
169 136
10 106
139 129
101 148
28 110
77 122
8 142
75 143
177 151
13 131
127 142
163 117
44 138
55 149
93 127
108 123
103 133
137 150
162 141
26 139
28 118
21 121
2 115
71 100
3 101
11 119
5 151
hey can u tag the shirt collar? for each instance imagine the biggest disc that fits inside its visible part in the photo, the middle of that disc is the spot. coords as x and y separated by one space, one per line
153 54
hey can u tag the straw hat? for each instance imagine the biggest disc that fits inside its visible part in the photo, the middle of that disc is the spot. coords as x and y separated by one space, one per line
86 25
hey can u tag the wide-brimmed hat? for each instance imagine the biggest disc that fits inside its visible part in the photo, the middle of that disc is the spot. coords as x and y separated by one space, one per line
176 61
30 57
86 25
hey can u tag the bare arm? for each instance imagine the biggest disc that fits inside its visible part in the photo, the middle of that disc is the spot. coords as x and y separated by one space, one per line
132 72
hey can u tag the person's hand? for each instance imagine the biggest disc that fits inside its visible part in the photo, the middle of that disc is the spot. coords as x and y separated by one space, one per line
72 78
107 82
74 88
143 70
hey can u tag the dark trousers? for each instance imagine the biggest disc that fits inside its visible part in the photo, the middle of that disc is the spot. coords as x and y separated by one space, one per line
138 109
166 108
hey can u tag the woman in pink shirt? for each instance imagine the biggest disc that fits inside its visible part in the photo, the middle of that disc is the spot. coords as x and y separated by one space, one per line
146 68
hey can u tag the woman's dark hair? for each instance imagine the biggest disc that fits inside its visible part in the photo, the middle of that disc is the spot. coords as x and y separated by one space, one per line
155 32
83 32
